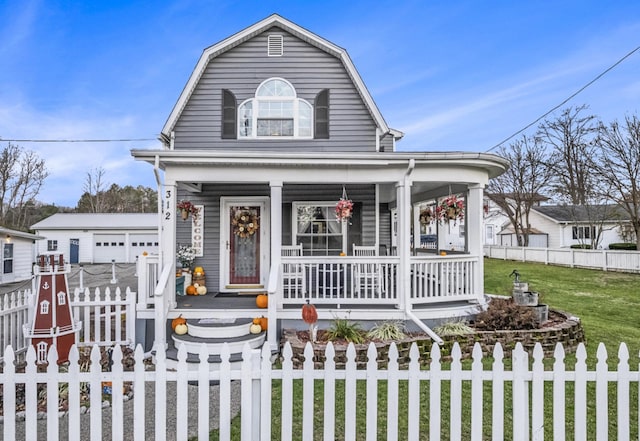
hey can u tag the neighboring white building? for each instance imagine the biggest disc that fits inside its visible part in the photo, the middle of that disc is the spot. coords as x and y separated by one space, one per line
18 255
567 225
98 237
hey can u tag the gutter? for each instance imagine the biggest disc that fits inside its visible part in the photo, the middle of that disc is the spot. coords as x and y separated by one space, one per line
407 305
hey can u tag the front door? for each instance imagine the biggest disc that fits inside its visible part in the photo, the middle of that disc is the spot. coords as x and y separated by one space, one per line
245 247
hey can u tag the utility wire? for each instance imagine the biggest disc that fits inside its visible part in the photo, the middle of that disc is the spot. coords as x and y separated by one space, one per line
79 140
567 100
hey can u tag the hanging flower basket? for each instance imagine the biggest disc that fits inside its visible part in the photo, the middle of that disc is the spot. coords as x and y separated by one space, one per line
186 208
426 216
344 209
450 209
245 223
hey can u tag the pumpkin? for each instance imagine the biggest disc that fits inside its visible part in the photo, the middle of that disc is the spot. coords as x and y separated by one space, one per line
309 313
264 323
181 329
191 290
256 321
262 301
198 269
201 290
178 321
255 329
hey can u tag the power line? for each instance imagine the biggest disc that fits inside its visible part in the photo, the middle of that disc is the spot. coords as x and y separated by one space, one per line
79 140
567 100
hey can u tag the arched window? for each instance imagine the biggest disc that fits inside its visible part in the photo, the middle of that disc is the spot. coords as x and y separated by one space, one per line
41 349
62 298
44 307
275 111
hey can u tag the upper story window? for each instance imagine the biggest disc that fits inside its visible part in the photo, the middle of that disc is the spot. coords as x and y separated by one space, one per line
275 111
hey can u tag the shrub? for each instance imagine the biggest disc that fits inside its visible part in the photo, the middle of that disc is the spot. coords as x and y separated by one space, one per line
346 330
623 246
453 328
505 314
581 246
389 330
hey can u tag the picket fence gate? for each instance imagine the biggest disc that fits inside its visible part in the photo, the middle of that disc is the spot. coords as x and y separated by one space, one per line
108 317
529 397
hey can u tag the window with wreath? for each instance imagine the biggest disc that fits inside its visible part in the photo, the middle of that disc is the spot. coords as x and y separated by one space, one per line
275 111
316 228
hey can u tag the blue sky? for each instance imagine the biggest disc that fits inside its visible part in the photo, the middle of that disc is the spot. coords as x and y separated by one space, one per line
454 75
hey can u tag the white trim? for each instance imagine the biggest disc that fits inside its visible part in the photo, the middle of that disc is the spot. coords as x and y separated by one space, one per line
265 243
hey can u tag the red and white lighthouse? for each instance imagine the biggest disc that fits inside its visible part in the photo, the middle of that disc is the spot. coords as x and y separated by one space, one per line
52 319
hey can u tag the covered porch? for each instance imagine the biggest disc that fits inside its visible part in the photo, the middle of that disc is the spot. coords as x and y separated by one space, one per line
386 271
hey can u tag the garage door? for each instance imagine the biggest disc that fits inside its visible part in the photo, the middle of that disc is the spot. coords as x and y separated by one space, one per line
141 243
108 247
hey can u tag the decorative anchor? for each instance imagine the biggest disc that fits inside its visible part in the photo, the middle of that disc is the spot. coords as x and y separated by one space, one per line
516 274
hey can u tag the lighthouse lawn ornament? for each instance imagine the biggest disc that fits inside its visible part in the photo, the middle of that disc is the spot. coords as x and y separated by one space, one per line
52 321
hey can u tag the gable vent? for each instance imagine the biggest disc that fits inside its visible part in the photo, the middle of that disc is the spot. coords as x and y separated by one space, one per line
275 45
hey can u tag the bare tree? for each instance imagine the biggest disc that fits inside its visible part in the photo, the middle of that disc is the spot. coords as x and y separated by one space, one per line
22 174
571 140
518 189
618 165
94 188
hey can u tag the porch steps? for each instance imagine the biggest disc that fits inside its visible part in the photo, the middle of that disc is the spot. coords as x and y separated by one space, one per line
213 334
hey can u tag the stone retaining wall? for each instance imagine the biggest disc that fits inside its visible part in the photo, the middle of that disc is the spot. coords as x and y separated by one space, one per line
568 331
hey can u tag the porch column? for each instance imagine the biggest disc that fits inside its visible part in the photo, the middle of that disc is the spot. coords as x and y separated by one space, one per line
167 256
276 252
403 195
474 227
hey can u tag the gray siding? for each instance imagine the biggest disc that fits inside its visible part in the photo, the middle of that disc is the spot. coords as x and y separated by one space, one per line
309 69
361 230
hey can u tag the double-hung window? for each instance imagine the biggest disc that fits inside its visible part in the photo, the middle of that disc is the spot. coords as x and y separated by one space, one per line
316 228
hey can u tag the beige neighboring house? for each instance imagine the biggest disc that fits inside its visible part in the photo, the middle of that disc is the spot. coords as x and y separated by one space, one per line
18 255
98 237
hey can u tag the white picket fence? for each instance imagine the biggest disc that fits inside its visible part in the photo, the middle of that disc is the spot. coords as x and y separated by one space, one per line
108 317
605 260
525 401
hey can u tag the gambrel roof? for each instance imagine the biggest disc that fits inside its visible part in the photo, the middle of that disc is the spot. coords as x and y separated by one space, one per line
256 29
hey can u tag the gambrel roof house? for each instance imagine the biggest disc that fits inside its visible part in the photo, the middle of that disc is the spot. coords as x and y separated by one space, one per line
567 225
273 128
98 237
18 255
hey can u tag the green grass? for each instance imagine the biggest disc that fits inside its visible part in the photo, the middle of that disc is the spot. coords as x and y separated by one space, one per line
607 304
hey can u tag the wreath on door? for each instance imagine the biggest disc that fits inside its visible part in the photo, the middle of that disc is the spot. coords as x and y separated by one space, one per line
245 223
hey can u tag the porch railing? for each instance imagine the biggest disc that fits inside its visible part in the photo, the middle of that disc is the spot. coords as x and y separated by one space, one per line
376 280
443 279
148 275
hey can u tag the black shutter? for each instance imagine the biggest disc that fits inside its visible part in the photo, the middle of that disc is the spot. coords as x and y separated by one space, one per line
321 112
229 112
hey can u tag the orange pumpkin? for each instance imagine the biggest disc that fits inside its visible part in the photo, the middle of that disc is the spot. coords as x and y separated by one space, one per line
178 321
309 313
262 301
263 322
191 290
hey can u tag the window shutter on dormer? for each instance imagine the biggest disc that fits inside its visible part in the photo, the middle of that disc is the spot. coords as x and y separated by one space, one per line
229 130
321 113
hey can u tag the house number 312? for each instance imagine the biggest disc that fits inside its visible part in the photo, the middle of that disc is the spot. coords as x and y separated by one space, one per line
167 204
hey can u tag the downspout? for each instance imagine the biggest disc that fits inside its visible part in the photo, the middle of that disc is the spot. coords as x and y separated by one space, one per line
404 257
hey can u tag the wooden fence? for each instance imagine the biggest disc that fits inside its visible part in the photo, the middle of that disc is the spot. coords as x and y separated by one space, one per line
107 318
495 400
605 260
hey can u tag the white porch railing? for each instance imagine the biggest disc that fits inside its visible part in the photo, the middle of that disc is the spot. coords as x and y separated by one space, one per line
605 260
483 401
443 279
148 275
375 280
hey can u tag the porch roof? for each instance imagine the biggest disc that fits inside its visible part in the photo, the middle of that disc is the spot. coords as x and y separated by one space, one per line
492 165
